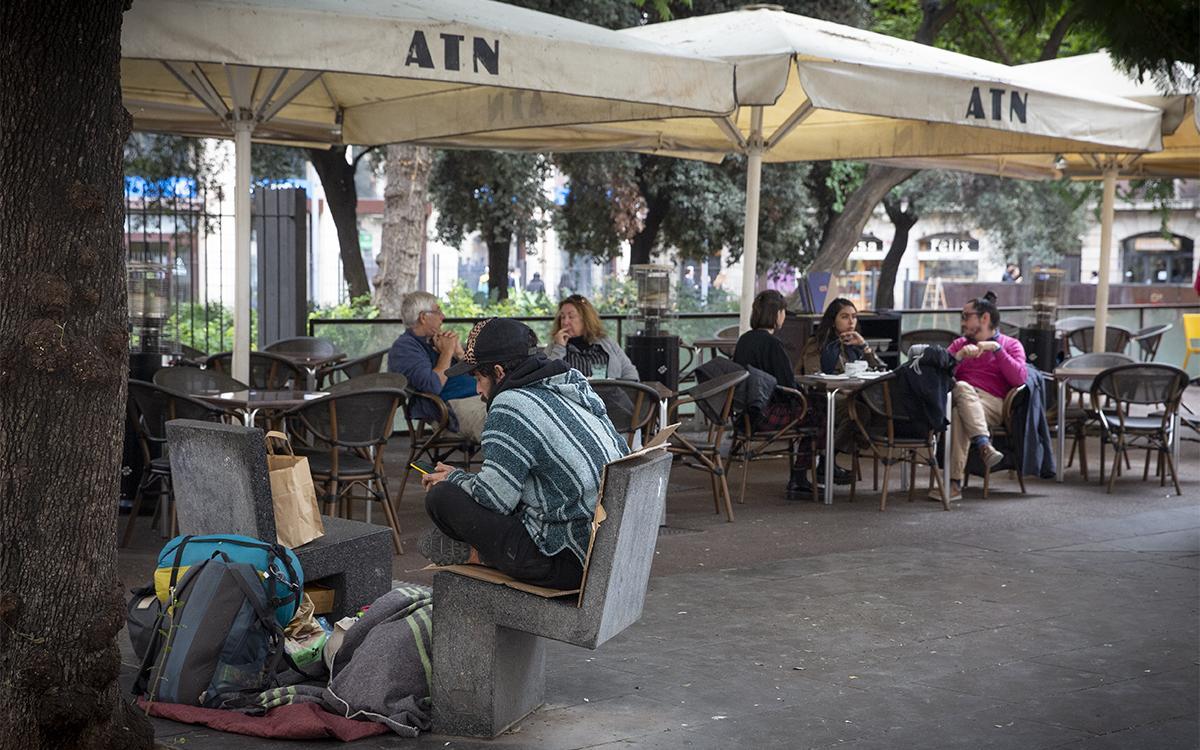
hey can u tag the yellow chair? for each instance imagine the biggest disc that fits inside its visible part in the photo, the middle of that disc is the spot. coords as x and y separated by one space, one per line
1191 336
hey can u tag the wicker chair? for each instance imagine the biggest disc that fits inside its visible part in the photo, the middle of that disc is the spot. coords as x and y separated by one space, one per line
192 380
632 406
1138 384
750 444
1078 419
883 431
351 368
303 345
150 408
928 336
1148 340
714 400
433 439
1003 437
268 372
1116 338
347 432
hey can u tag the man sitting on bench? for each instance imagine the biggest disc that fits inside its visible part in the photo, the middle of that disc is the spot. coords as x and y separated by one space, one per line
528 510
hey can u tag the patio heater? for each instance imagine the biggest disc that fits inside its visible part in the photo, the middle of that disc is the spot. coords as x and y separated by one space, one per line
148 287
652 349
1038 337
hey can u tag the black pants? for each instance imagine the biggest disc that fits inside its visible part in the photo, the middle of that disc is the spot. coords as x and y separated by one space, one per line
502 541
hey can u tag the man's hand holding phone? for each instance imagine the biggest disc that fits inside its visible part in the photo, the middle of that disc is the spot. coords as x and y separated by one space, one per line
432 475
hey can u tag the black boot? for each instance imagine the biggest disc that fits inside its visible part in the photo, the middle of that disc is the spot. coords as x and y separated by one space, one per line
799 489
840 476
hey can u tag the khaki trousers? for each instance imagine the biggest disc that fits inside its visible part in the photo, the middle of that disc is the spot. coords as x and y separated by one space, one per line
471 413
974 412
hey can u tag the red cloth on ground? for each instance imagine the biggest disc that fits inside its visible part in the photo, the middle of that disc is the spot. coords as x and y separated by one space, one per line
297 721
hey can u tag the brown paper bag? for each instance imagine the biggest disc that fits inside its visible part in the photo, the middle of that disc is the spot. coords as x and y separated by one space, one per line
297 516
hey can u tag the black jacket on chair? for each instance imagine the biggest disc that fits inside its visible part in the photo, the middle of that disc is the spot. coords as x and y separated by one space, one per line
919 392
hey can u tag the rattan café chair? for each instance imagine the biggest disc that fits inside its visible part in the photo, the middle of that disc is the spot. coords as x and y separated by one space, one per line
714 400
889 437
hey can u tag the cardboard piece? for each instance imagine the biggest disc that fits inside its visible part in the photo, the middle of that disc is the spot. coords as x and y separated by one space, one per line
491 575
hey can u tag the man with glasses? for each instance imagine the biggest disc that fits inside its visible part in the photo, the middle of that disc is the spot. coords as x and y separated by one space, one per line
423 354
990 364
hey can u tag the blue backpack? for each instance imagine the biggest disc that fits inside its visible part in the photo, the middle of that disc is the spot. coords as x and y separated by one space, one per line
277 567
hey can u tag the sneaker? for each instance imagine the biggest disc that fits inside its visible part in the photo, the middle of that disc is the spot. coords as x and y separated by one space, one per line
990 455
955 493
440 549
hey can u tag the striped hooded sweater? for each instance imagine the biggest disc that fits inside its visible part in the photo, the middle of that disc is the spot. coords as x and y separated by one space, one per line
545 444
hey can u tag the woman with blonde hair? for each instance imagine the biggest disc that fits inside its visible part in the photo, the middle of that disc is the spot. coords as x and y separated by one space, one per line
578 338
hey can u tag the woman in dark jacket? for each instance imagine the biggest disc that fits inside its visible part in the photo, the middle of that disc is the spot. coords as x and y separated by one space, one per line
837 341
759 348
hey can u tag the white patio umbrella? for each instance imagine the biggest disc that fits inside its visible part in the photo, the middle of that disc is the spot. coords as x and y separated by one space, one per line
1179 157
365 72
814 90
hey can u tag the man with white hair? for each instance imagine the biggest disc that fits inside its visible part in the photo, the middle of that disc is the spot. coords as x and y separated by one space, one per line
422 354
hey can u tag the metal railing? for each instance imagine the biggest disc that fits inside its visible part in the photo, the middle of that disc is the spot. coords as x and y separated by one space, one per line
358 336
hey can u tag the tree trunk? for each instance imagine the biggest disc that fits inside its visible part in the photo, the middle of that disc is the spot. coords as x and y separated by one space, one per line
845 229
903 221
404 224
337 177
63 363
645 241
499 242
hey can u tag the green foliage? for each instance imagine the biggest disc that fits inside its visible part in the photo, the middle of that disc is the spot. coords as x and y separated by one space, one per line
154 157
843 179
1031 222
1159 193
498 194
354 340
207 327
603 207
269 162
1149 38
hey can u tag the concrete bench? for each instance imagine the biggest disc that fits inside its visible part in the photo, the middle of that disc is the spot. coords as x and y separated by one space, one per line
219 474
488 647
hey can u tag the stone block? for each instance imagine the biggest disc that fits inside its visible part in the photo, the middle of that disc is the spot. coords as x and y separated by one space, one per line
219 474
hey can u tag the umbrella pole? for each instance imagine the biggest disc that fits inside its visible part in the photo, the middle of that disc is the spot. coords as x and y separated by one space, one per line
241 268
1106 225
750 238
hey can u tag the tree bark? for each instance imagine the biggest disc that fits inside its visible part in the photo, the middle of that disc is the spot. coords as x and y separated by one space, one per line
499 243
845 229
405 214
63 362
337 178
903 222
644 242
1059 33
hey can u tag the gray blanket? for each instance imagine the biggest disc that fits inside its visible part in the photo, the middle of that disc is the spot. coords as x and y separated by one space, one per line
382 670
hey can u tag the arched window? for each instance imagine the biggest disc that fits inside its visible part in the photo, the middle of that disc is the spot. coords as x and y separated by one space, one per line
1151 258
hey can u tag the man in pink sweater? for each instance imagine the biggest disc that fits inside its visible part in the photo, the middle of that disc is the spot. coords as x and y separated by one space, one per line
990 364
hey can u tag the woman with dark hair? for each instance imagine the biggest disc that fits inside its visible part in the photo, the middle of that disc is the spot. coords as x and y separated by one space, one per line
837 341
759 348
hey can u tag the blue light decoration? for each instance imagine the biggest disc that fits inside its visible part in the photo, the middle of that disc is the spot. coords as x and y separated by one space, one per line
169 187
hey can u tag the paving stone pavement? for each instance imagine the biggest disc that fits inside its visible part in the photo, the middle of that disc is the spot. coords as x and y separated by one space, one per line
1067 618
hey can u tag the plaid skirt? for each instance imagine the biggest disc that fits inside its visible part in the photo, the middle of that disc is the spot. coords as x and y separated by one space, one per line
780 414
